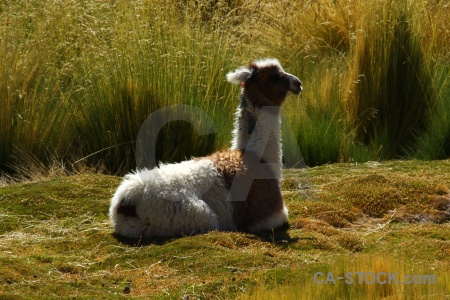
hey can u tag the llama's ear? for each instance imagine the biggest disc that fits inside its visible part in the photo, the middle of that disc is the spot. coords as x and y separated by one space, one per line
238 76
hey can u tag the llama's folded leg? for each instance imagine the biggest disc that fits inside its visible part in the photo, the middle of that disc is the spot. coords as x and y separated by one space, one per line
263 209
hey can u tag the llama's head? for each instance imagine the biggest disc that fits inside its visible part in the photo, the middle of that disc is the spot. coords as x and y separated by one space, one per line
265 82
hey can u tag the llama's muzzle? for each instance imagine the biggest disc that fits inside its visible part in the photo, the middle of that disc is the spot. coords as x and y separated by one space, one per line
295 84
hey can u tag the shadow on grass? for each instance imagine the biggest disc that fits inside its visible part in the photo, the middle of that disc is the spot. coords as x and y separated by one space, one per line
279 236
140 242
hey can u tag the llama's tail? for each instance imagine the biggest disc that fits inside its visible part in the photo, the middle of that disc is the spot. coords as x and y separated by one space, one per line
124 200
123 210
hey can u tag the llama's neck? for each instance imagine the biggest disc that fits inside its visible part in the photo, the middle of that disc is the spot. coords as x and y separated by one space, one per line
258 130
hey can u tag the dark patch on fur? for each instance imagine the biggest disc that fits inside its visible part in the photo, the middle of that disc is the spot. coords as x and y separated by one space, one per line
248 117
126 210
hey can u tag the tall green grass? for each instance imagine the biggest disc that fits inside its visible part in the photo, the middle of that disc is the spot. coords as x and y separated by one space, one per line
171 66
377 62
78 78
390 74
434 143
321 131
85 76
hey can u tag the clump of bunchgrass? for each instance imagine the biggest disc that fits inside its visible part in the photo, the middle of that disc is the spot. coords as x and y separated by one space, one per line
336 214
389 76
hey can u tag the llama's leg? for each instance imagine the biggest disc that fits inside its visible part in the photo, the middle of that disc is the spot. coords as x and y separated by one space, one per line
263 208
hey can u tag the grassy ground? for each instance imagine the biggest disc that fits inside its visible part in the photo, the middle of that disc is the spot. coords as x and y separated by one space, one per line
56 240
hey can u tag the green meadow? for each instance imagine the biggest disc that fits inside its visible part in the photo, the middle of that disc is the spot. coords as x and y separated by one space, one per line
78 78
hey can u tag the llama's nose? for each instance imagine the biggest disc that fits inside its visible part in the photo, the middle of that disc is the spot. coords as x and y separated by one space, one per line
296 85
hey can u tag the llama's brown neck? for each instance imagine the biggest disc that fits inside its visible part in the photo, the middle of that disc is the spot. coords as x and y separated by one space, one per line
258 129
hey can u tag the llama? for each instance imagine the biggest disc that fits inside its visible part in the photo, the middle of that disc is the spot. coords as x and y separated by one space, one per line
231 190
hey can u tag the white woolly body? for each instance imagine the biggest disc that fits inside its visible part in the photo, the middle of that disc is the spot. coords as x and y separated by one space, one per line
174 199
